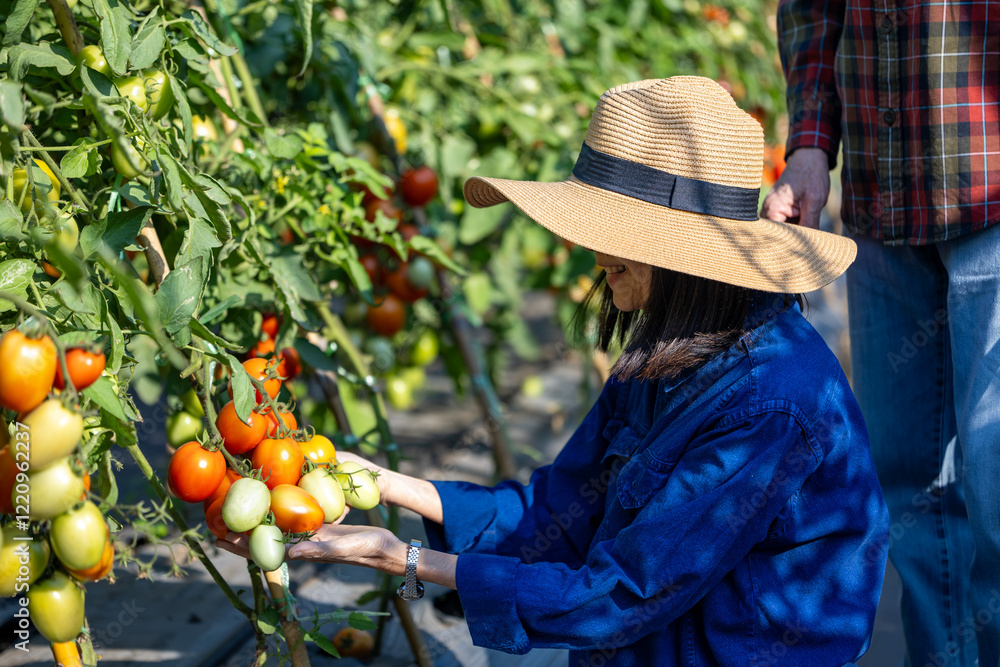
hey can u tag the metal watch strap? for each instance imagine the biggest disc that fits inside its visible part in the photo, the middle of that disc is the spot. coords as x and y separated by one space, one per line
411 588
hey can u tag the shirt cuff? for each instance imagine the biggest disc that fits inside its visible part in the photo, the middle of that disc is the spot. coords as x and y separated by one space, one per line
814 135
487 588
468 511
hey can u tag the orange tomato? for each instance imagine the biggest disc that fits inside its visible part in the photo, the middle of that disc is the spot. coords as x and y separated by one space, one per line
223 488
99 571
237 437
287 418
353 643
28 370
295 510
270 325
213 517
195 472
263 349
289 363
258 369
319 449
279 461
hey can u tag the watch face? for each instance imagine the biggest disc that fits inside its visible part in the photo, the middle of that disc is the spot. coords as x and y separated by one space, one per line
407 595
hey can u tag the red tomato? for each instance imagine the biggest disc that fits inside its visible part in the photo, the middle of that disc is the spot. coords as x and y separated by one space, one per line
295 510
8 476
408 231
289 363
213 517
195 472
287 418
270 325
419 185
279 461
387 318
259 368
399 283
388 209
237 437
27 370
372 267
84 368
223 488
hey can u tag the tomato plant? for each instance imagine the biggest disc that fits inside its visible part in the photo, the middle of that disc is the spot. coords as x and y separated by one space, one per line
325 489
359 485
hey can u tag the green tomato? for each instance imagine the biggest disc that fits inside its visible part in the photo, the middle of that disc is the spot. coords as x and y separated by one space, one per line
56 608
425 349
53 432
120 159
192 404
46 186
399 393
134 88
267 547
78 536
415 377
420 273
158 92
50 491
322 486
533 386
16 552
383 353
360 413
183 427
478 292
359 485
67 233
247 503
91 56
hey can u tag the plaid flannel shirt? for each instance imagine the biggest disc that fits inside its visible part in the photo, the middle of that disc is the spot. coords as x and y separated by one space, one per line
913 89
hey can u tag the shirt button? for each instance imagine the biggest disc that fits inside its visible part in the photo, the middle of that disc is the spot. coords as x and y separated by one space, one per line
889 117
886 25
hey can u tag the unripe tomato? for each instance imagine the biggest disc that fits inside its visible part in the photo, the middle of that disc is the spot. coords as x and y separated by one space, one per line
237 437
213 517
246 504
223 488
279 461
15 547
158 92
195 472
192 404
319 449
134 88
415 377
267 547
419 185
53 433
295 511
27 370
99 571
420 273
78 536
366 152
91 56
66 233
287 419
359 485
270 325
46 186
397 130
259 369
55 606
183 427
382 351
387 318
204 129
398 392
325 489
353 643
425 349
51 491
84 368
8 476
123 161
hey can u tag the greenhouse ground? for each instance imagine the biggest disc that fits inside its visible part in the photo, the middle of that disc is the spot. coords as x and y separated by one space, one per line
187 622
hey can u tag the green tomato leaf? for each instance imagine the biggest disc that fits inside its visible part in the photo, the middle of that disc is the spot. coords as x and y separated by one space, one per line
122 228
313 356
184 109
135 193
304 10
18 20
179 295
173 173
220 308
12 106
15 275
148 42
11 221
107 485
428 247
199 241
195 26
323 642
244 397
97 83
267 621
361 621
206 334
478 223
116 339
116 39
295 284
42 56
102 393
77 162
282 146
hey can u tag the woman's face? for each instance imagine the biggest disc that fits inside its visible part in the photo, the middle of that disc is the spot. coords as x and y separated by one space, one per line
629 281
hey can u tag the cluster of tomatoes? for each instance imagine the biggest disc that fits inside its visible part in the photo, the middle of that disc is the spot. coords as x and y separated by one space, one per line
44 487
283 483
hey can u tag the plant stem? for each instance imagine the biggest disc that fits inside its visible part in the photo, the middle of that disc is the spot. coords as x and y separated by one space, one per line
294 636
66 185
193 544
67 26
250 88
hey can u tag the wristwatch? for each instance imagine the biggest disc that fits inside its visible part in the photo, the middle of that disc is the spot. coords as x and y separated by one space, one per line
411 588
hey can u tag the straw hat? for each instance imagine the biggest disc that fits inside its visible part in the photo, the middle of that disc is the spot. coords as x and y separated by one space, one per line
669 175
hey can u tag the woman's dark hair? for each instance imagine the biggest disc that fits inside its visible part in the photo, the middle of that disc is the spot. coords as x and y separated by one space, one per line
686 321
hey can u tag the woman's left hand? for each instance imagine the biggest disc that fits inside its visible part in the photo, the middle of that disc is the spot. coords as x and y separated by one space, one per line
353 545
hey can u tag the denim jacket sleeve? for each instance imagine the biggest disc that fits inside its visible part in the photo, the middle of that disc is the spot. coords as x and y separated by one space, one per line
517 520
681 541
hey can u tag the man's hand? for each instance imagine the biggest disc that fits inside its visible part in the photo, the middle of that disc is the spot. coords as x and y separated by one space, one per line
802 191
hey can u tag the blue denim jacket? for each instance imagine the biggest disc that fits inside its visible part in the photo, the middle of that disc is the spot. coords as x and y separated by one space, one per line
730 517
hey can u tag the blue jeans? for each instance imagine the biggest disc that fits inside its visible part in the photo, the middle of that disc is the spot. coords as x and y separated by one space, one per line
925 360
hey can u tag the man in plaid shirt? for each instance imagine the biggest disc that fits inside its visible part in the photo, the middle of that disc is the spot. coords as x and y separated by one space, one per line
912 90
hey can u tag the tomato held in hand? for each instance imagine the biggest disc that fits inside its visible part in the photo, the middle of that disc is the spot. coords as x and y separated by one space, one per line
295 511
78 536
419 185
279 461
56 607
84 368
195 472
237 437
319 449
213 517
325 489
27 370
387 318
246 504
359 485
267 547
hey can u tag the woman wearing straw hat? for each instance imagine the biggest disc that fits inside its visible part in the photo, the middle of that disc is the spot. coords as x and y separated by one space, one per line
718 505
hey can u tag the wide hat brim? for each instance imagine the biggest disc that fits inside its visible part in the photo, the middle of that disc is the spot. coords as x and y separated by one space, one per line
759 254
